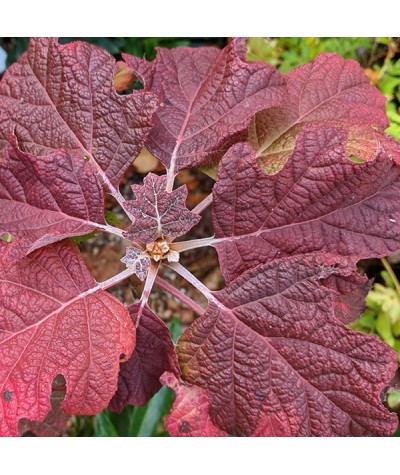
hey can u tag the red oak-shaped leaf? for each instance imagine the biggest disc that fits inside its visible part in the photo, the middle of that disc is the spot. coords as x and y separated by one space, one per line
154 353
55 320
48 199
319 202
157 212
64 96
329 91
56 420
275 361
189 415
134 259
208 98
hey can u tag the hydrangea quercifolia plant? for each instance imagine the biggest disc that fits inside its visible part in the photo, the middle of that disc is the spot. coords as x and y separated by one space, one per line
271 354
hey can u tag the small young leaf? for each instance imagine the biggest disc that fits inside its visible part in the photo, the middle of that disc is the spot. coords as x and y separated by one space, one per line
135 260
159 213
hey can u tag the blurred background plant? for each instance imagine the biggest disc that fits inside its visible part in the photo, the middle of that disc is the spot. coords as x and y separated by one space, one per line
380 59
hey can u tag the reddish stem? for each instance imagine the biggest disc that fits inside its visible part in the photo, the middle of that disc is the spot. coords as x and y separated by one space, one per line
203 204
148 285
179 295
182 271
193 244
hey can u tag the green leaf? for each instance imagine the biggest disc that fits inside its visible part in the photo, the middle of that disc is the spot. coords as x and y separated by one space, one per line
84 237
111 218
263 49
103 427
393 401
355 159
383 327
368 320
388 279
175 328
145 421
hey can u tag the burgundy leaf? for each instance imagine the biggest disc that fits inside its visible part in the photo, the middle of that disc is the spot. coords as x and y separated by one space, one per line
64 324
56 420
189 416
329 91
319 202
134 259
48 199
208 97
154 354
269 349
64 96
159 213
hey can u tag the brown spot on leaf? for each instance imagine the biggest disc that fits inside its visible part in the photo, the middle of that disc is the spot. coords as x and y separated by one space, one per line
184 427
260 395
7 396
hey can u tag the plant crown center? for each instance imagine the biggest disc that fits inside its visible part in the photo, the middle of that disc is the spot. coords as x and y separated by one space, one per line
160 249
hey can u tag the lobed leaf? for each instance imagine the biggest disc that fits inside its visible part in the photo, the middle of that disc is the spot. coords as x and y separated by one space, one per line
154 354
157 212
275 361
64 96
55 321
44 201
319 202
135 260
208 97
329 91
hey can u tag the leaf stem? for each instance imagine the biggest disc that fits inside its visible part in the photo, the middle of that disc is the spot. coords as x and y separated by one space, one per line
389 270
193 244
203 204
163 284
114 191
170 180
113 280
182 271
109 229
148 285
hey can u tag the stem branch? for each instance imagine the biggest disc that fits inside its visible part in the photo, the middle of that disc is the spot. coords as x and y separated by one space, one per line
109 229
114 280
179 269
193 244
179 295
148 285
114 191
203 204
